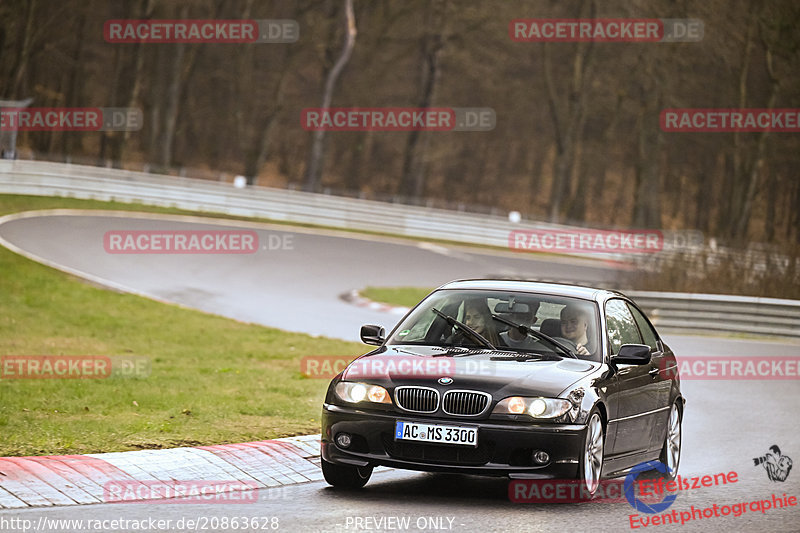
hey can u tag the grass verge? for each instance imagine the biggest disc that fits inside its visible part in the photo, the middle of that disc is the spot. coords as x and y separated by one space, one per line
397 296
212 381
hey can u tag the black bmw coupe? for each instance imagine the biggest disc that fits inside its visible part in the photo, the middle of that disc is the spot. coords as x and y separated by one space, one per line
510 378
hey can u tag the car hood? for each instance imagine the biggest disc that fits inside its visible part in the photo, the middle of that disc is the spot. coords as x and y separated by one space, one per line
393 366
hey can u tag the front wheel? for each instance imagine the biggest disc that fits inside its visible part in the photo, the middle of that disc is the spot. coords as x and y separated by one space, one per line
671 451
346 476
591 466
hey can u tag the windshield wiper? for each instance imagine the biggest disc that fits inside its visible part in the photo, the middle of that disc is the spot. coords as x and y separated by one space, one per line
522 357
465 328
525 330
451 351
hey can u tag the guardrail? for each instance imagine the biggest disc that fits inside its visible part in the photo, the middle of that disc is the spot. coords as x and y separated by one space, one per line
672 310
716 312
81 181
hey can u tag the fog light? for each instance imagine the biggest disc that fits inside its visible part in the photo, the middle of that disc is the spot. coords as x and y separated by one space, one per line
343 440
541 457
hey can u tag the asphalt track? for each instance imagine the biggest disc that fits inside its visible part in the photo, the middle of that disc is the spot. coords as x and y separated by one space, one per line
295 288
726 424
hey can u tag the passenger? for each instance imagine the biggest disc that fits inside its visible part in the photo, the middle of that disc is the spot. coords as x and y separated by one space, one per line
513 338
575 327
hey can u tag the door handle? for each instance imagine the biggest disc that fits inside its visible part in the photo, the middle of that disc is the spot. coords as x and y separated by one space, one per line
654 373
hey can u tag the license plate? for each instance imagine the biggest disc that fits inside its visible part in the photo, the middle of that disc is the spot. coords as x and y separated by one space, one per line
460 435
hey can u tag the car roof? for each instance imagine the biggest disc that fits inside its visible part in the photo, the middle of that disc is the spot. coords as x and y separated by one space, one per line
535 287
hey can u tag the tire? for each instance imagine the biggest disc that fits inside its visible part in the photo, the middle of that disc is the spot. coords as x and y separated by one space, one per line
591 461
671 450
346 476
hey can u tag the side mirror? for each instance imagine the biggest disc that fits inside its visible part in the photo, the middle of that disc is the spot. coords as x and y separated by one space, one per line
371 334
632 354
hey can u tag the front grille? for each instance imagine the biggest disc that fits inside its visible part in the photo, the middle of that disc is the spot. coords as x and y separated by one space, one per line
465 403
417 399
438 454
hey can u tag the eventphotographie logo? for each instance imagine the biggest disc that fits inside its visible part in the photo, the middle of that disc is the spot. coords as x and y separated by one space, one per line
638 503
777 465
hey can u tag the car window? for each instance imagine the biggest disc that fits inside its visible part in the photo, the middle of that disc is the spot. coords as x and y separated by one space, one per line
648 334
620 325
423 327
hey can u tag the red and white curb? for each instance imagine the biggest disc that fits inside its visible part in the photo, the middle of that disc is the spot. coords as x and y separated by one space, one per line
80 479
355 298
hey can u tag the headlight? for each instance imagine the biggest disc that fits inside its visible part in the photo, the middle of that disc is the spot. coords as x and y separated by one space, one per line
358 392
535 407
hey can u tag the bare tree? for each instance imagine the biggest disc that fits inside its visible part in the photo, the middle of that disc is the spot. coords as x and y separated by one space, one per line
413 180
748 172
568 117
315 162
20 69
647 191
146 8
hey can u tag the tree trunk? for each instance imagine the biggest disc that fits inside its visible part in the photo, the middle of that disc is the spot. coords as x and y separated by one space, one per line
647 195
754 171
259 145
315 162
729 218
568 129
257 157
173 104
146 10
413 180
646 206
19 86
75 84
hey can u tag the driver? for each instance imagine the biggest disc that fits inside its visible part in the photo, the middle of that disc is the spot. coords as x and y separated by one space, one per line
478 317
574 327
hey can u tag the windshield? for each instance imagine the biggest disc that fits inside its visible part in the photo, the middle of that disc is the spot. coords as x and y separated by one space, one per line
570 321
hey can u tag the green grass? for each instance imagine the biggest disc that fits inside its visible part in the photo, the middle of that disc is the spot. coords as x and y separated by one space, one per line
399 296
212 381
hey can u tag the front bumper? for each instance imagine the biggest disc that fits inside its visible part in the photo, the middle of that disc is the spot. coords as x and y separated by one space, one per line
504 448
